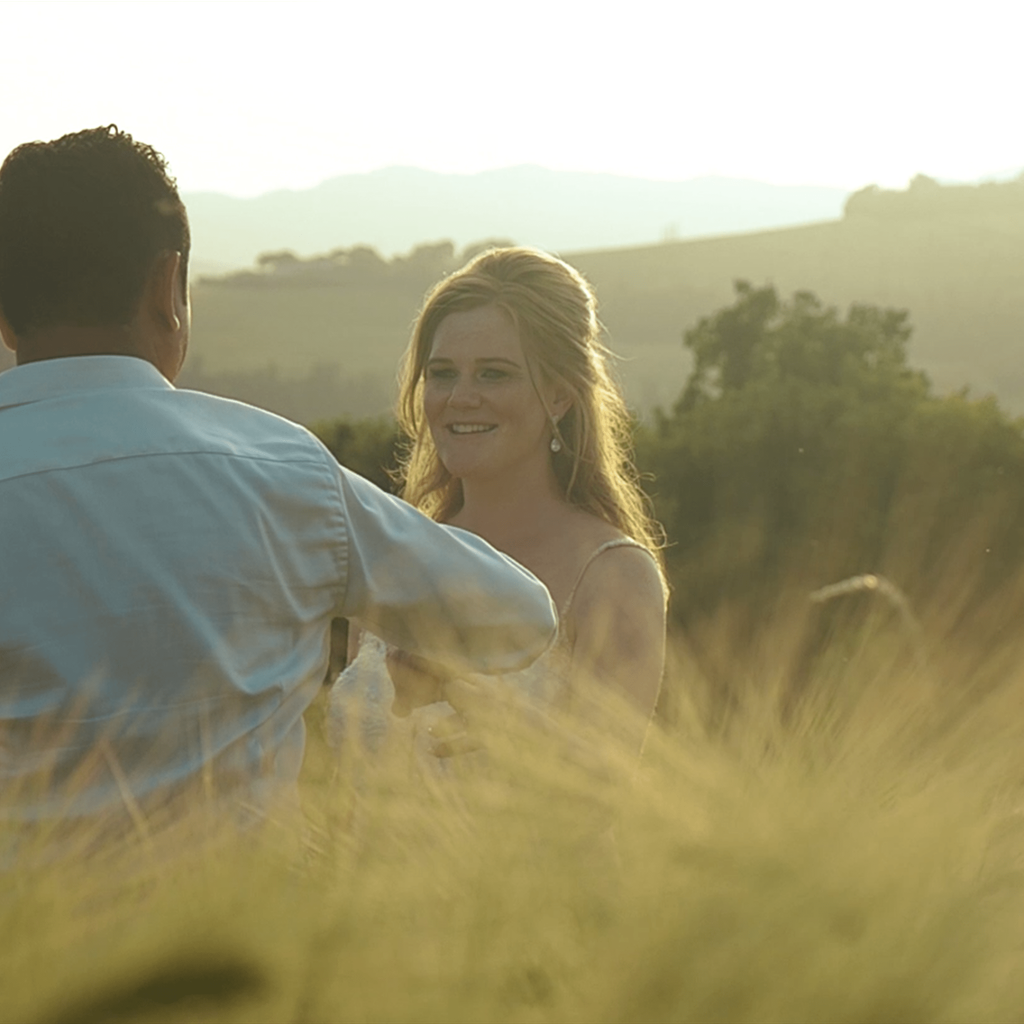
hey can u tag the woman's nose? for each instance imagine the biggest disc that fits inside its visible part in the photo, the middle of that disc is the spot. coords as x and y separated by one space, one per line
464 393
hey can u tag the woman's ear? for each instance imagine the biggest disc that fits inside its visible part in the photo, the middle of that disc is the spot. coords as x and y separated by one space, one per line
559 403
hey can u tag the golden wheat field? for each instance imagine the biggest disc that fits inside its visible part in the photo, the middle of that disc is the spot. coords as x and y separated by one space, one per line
841 839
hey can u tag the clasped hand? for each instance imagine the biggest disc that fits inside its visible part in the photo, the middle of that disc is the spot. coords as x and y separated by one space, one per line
418 682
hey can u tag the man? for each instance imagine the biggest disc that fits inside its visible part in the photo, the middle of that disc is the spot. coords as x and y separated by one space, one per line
170 562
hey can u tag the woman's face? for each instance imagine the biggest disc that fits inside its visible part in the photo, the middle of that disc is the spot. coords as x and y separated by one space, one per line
481 406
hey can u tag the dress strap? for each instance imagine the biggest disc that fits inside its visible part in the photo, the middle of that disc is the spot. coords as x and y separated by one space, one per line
619 542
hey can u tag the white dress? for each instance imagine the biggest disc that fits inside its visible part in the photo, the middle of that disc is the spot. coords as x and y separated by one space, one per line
359 704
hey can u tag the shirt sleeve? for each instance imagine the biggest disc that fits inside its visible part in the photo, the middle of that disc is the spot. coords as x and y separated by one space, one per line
436 590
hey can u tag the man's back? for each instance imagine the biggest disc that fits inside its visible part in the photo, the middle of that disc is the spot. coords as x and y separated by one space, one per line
171 563
159 548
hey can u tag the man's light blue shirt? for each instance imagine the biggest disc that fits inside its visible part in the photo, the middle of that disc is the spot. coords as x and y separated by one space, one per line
169 566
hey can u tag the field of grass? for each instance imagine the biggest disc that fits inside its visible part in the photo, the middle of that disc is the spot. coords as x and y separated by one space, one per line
837 837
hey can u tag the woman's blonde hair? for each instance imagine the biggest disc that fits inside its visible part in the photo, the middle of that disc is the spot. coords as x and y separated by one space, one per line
555 312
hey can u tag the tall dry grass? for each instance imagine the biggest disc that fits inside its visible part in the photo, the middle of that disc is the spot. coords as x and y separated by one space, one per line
837 835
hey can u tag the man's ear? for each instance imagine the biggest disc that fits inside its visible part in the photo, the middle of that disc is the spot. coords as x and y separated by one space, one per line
165 316
166 293
7 333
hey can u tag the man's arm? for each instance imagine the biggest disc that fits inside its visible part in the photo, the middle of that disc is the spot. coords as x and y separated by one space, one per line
437 591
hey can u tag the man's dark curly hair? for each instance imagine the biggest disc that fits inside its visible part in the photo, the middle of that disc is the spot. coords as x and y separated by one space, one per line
82 221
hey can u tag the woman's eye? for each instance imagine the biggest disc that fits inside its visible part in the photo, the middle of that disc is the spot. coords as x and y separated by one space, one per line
492 374
440 373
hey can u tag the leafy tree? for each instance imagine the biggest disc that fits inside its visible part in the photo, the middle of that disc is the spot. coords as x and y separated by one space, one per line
363 261
279 262
804 448
762 340
368 447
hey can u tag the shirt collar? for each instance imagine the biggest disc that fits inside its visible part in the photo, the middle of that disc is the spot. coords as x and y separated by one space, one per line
51 378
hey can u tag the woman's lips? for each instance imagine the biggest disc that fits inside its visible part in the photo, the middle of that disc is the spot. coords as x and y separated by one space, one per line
468 429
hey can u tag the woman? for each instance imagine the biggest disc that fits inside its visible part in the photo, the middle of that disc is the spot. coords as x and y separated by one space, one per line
518 434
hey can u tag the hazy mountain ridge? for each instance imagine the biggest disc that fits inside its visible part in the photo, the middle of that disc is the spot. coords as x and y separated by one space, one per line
394 209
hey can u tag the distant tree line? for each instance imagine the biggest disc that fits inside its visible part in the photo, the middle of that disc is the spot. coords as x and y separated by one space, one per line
358 266
927 198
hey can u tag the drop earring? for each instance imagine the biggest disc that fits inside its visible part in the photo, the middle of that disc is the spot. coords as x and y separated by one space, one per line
556 440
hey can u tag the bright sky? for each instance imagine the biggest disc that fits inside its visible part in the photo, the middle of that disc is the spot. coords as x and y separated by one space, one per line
244 97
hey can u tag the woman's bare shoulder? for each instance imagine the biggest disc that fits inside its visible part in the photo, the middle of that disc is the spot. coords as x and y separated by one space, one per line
616 569
622 572
617 623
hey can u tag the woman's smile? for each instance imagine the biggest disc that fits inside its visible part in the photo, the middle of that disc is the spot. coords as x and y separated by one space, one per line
471 428
478 388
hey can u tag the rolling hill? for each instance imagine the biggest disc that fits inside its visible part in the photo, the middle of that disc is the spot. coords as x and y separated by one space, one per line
395 208
322 337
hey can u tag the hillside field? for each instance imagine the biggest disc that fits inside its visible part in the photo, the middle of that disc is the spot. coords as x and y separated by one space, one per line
321 347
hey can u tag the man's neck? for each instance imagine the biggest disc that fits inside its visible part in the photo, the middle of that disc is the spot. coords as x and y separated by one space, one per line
65 341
